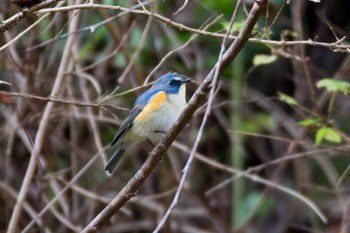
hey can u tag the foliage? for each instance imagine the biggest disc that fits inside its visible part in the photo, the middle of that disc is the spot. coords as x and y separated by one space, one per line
332 85
328 134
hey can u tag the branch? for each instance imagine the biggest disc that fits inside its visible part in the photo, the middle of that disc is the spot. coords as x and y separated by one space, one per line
5 95
10 22
336 46
261 180
195 102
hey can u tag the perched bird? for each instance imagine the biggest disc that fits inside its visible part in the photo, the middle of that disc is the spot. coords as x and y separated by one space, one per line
154 112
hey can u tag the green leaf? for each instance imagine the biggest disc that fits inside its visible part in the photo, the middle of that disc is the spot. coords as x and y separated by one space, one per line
287 99
332 85
263 59
329 134
257 123
43 25
288 33
309 122
236 26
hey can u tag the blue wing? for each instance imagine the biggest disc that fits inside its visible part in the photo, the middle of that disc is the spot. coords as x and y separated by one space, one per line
127 123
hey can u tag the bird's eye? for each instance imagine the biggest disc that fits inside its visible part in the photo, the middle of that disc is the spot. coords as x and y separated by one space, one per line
171 82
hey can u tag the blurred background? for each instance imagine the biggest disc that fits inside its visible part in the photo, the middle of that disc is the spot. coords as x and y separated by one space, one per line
271 116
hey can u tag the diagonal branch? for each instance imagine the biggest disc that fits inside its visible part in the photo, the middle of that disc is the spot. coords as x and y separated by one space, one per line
195 102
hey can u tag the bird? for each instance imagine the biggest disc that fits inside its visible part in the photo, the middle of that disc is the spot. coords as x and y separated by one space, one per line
154 112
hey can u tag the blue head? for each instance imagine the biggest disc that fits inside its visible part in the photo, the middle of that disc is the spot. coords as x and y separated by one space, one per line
170 83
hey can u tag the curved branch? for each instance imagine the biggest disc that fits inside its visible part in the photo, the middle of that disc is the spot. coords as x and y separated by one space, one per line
336 46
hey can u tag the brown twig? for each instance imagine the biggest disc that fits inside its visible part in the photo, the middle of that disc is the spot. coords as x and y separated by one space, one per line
27 207
10 22
63 190
138 50
40 9
255 178
264 181
179 49
61 101
95 130
181 8
157 153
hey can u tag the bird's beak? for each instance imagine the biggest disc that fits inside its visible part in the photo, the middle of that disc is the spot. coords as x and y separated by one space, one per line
186 80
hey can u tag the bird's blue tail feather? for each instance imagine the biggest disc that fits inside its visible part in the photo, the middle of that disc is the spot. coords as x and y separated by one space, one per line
114 160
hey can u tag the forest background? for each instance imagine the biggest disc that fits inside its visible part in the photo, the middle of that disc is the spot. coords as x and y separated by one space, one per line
265 151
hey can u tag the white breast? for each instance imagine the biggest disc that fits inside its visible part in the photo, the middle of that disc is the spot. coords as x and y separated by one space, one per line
178 101
162 119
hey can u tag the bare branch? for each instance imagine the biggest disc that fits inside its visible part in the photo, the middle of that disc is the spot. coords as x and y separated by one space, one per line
60 101
336 46
7 24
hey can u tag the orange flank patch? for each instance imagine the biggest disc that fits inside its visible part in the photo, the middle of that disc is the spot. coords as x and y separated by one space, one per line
154 104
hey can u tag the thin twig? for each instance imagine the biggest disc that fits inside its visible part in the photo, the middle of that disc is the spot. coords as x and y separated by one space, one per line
181 8
62 219
61 101
27 207
266 182
178 49
72 181
283 159
10 22
137 52
23 32
92 122
254 178
91 28
110 55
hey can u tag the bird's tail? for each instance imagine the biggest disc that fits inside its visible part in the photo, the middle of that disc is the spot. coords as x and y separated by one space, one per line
115 158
